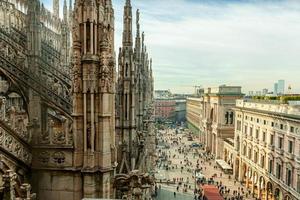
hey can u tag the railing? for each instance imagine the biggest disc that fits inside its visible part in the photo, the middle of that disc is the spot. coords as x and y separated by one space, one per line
13 145
28 80
285 186
14 35
14 63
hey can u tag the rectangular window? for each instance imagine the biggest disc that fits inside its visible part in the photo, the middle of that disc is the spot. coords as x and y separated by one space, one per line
257 120
265 122
271 166
281 126
238 125
288 177
262 161
271 139
257 133
292 129
280 139
251 131
255 157
291 146
278 171
249 153
264 136
272 124
246 129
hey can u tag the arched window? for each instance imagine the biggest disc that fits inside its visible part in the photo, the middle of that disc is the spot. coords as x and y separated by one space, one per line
244 149
231 118
227 117
126 69
126 107
289 174
238 143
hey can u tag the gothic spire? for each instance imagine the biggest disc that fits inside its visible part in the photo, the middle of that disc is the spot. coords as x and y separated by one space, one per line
65 11
138 23
127 32
138 37
56 8
143 40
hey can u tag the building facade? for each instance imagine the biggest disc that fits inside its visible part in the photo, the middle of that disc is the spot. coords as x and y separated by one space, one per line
180 111
194 116
57 101
94 98
164 109
266 148
211 116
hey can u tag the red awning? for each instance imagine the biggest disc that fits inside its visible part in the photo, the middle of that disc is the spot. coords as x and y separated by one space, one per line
211 192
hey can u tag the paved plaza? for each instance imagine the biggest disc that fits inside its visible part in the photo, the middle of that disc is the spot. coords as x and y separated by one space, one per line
181 168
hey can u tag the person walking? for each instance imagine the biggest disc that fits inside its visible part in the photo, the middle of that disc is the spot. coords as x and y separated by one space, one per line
174 194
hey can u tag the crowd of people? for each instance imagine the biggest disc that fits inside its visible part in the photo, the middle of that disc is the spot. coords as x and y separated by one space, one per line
187 165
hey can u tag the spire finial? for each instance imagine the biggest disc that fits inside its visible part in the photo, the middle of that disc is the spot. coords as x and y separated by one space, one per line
65 10
56 8
127 29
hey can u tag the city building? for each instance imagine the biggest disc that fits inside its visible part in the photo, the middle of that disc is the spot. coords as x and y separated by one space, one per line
159 94
165 109
265 91
194 116
169 107
275 89
218 116
180 111
211 116
251 93
281 87
266 147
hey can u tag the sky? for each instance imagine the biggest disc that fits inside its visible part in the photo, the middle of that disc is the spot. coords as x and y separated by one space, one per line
248 43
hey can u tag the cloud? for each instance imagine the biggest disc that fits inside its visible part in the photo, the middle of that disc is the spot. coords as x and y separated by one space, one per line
249 43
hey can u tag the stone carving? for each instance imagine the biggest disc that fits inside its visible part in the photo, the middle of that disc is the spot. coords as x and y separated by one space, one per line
75 31
15 56
45 136
58 157
106 76
12 145
12 190
44 157
59 137
133 184
1 136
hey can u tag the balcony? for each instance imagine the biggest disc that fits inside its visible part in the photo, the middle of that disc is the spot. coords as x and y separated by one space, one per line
263 143
255 140
290 156
271 147
250 137
279 151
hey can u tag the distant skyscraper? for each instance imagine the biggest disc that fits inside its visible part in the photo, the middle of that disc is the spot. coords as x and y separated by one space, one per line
264 91
281 85
275 88
258 93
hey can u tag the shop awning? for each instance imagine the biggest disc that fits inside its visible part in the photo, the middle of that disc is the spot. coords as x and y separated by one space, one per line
211 192
224 165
